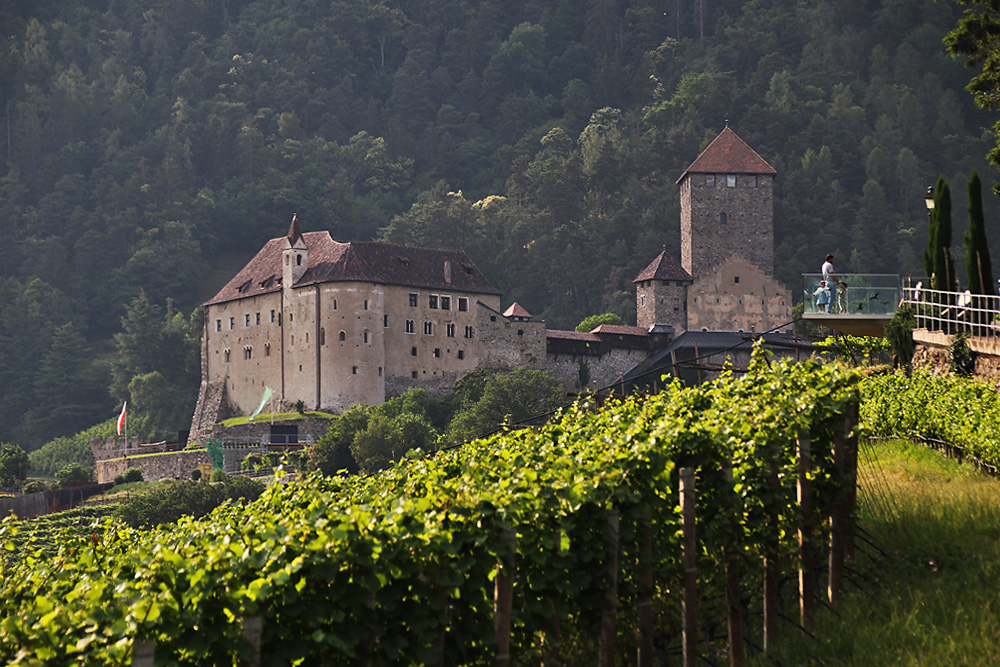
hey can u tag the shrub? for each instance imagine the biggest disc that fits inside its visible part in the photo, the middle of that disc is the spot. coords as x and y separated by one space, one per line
72 472
171 501
195 475
35 486
218 476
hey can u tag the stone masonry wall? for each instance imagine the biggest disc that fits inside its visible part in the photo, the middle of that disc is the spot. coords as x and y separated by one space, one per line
165 465
605 370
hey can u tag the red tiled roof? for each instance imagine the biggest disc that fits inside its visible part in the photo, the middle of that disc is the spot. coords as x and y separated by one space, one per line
572 335
516 310
331 261
619 330
663 268
728 154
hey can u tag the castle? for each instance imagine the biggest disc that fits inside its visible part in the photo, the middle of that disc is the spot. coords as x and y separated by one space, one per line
334 324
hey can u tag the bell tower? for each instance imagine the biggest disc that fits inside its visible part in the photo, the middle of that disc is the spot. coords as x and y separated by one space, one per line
295 255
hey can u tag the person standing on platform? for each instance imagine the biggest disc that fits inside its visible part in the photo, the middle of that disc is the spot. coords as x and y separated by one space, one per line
831 279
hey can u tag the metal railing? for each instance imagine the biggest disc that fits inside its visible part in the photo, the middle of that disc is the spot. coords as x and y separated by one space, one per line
865 294
954 312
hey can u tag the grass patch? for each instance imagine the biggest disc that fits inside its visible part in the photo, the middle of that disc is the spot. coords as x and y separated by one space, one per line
278 416
931 596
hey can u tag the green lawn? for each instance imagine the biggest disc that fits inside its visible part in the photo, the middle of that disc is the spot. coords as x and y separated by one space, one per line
930 593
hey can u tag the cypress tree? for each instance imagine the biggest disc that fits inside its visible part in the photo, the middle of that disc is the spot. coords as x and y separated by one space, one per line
931 240
977 251
944 266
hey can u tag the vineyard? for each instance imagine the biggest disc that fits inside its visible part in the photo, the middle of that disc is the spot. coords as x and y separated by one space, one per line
533 545
960 415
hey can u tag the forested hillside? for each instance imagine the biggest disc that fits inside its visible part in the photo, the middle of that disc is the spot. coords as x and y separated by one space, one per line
149 148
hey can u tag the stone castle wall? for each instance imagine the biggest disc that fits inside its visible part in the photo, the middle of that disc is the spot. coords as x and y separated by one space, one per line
605 370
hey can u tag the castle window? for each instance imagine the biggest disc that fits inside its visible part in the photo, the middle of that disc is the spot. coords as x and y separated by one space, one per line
730 180
228 355
385 320
354 370
432 301
677 304
272 316
257 319
709 180
461 354
428 328
298 260
450 330
366 304
232 323
413 351
752 181
335 304
413 374
437 351
267 349
723 218
247 352
463 304
218 326
291 317
736 280
380 371
246 320
409 326
642 299
413 299
366 336
446 303
520 332
468 332
342 335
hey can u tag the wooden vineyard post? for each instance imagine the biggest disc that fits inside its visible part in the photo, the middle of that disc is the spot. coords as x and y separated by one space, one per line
838 515
690 630
550 638
610 616
807 570
143 653
253 628
771 597
851 470
503 597
646 657
734 617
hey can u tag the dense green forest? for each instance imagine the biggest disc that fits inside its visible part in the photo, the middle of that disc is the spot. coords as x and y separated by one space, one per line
149 148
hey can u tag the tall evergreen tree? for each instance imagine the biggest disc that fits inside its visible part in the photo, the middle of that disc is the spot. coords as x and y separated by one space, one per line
977 250
943 264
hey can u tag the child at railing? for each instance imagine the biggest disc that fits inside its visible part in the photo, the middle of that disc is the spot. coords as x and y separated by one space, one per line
821 297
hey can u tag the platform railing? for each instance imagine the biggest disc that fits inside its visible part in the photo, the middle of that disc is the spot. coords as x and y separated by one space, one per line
954 312
866 294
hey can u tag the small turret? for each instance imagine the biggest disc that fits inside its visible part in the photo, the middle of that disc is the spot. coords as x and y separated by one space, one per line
295 255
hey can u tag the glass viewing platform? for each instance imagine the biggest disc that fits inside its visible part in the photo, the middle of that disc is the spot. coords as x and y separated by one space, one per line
865 294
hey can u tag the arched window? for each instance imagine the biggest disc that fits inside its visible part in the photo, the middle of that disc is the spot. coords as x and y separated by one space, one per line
343 335
722 218
228 355
298 260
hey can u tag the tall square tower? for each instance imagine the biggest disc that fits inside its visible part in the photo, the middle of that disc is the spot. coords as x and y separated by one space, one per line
727 207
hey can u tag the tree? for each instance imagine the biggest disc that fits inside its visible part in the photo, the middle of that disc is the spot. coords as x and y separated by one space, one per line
594 321
976 38
977 250
13 465
522 394
72 472
938 255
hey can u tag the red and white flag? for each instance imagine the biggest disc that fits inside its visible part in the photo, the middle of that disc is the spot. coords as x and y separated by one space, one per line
121 418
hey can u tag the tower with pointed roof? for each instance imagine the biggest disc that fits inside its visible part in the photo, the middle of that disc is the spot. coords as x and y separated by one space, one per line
295 255
661 294
727 207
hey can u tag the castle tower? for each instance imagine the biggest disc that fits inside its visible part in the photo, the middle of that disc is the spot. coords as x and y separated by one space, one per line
661 294
727 207
295 255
